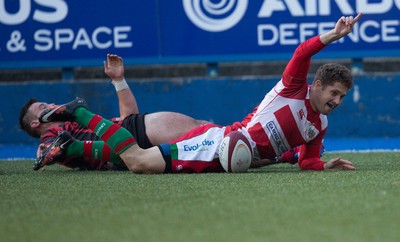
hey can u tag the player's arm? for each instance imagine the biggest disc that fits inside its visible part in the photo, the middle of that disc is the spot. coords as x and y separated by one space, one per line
342 28
309 158
114 68
296 71
315 163
310 154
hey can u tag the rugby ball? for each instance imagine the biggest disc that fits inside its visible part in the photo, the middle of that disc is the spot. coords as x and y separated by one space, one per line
235 152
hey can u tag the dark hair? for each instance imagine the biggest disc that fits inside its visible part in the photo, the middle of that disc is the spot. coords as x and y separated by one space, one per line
25 118
330 73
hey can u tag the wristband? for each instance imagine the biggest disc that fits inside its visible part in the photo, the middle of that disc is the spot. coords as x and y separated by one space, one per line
120 85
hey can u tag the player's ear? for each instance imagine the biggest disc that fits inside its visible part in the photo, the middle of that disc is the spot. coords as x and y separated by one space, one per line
317 84
34 123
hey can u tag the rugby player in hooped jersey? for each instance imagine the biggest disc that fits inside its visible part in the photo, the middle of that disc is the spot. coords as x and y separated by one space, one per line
149 129
291 114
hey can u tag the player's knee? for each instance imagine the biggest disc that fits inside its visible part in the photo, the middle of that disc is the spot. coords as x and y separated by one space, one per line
133 160
147 161
137 165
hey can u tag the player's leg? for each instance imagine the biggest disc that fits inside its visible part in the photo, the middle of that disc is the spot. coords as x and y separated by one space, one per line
93 149
194 152
116 137
65 146
162 127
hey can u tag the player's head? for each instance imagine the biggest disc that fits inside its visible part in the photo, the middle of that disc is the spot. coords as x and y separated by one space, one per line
331 84
330 73
29 117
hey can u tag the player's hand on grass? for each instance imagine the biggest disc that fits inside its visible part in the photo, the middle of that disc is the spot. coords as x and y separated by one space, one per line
337 164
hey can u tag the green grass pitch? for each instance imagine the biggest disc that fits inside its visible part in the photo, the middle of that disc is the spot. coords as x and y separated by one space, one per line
275 203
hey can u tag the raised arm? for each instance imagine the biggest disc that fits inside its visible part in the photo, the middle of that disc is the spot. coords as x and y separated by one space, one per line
114 68
342 28
298 66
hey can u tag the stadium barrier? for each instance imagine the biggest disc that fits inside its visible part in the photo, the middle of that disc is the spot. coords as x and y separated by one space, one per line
371 109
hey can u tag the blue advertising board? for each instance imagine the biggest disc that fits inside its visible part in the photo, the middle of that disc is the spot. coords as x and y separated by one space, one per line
37 33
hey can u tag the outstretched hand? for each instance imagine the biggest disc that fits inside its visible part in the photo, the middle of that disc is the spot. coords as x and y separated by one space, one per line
338 164
114 67
342 28
345 25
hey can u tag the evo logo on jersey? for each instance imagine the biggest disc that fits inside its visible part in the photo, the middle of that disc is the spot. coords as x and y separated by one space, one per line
201 147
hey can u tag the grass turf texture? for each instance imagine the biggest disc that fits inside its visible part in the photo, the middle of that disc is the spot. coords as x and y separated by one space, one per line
276 203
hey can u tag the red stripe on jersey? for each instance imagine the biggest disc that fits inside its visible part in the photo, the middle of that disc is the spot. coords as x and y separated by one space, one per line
110 132
296 90
94 121
87 148
289 126
124 144
259 136
106 154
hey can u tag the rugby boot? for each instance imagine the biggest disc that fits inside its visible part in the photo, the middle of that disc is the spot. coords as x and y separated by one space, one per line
63 112
56 151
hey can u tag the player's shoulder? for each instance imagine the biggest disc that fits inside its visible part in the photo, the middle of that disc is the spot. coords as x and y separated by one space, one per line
324 121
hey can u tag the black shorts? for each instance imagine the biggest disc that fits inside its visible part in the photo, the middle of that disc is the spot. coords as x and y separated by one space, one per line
135 124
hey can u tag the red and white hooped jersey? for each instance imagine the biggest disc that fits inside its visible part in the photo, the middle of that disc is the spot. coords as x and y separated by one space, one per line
282 122
284 119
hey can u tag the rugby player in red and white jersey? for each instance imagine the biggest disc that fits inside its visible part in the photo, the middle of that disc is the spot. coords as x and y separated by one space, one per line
291 114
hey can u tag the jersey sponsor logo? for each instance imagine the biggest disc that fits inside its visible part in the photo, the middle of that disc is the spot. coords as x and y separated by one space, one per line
200 146
312 132
100 128
215 17
301 114
276 136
